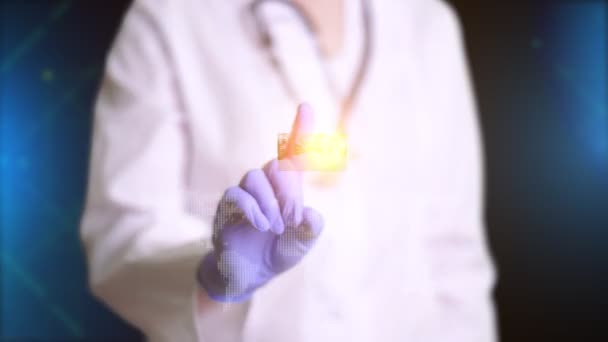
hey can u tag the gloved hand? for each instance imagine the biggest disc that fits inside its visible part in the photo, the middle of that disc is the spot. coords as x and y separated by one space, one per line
261 227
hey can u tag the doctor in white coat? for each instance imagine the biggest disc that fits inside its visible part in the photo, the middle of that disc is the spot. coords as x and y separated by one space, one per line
194 95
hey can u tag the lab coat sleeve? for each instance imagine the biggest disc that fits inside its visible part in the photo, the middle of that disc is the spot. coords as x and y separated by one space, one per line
142 247
461 269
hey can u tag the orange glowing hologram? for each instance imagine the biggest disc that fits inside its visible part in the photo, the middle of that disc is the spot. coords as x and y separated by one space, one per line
316 151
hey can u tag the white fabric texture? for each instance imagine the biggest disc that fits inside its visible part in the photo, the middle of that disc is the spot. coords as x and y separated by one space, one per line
189 103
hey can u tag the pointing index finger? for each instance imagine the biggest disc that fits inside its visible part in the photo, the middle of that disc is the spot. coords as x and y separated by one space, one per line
303 125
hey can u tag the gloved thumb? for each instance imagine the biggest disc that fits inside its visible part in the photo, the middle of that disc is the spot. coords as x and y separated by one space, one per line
296 242
312 224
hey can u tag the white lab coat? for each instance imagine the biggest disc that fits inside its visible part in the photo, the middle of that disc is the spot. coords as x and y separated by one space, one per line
189 103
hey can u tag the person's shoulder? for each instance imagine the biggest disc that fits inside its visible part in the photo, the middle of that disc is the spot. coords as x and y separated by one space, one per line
147 15
441 16
432 23
168 10
155 8
200 8
163 20
421 17
185 16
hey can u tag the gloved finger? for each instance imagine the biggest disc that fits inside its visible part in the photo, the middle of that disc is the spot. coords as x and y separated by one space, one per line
258 186
295 243
287 187
238 201
303 125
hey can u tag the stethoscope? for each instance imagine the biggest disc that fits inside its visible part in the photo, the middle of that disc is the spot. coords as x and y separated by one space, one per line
347 101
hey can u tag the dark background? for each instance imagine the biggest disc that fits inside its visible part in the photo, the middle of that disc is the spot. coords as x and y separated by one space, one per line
540 78
540 75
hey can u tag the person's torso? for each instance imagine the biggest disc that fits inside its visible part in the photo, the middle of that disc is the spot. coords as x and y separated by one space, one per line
366 279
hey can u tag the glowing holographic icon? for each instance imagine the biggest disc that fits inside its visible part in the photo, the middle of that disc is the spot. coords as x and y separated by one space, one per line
316 152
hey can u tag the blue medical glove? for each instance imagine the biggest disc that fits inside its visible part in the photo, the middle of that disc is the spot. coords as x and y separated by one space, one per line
261 227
